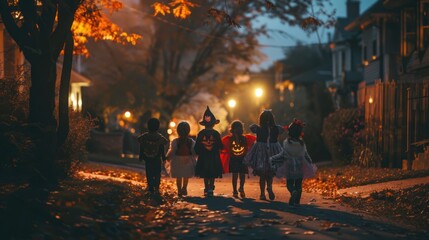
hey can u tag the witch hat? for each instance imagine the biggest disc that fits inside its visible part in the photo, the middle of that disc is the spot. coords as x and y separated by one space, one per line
208 118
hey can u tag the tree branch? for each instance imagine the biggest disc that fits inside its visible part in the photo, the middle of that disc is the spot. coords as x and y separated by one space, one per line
47 19
63 112
66 11
29 12
17 33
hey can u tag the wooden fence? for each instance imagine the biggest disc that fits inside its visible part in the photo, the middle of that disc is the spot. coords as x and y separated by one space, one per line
398 115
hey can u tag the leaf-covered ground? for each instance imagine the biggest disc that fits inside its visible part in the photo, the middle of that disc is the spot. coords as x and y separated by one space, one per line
410 205
106 203
329 179
91 204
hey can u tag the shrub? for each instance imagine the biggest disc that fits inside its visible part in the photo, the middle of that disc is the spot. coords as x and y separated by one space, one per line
18 139
14 95
74 151
341 132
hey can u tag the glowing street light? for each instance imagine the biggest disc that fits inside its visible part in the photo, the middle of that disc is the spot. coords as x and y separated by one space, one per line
127 114
172 124
370 100
232 103
290 86
259 92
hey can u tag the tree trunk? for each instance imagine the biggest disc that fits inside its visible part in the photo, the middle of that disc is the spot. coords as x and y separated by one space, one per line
42 104
63 106
42 91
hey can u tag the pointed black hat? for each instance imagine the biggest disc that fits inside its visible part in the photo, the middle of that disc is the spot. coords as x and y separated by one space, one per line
208 118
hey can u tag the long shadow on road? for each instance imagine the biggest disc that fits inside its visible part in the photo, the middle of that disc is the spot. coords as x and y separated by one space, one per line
273 220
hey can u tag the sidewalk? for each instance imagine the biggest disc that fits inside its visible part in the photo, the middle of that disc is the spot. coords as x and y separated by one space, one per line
365 190
251 218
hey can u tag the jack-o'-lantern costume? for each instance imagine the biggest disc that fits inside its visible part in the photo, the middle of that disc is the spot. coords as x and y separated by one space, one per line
234 151
235 147
207 146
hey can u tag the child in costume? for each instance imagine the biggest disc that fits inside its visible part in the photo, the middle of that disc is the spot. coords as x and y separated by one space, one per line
236 145
182 156
152 146
295 162
207 147
266 145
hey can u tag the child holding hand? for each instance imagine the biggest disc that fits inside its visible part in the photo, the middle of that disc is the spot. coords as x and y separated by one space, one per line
295 162
182 157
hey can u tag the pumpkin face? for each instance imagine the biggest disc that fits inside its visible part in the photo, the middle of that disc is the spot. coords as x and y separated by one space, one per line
236 148
208 142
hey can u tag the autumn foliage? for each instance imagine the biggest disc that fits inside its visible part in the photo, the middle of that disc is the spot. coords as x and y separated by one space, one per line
92 22
179 8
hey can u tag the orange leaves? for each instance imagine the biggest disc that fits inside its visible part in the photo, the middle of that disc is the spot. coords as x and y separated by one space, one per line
160 8
111 5
181 8
91 22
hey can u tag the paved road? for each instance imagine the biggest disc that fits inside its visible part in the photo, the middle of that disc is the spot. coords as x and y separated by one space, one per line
251 218
224 217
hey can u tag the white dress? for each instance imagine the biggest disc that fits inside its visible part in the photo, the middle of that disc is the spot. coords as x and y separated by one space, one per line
181 166
293 161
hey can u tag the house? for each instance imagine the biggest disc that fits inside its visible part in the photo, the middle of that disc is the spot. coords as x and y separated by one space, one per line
11 57
77 83
395 87
11 66
346 55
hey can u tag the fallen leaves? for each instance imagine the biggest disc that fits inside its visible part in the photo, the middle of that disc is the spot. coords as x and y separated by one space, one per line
410 205
329 180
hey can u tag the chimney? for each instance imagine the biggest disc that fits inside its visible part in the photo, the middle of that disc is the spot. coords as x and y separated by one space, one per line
353 9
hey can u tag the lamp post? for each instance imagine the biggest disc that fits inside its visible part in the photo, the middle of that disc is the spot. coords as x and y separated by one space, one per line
232 103
258 93
127 114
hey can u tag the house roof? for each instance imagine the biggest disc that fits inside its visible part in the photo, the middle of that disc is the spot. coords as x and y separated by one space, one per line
75 77
340 33
377 9
397 3
319 74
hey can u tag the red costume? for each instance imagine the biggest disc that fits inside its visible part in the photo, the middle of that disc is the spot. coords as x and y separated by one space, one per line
237 150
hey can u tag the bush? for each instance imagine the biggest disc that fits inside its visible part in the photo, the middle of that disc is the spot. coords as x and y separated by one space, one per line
74 151
341 132
18 139
14 95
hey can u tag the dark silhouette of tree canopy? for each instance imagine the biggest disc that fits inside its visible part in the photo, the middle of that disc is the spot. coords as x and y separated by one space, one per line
43 29
205 41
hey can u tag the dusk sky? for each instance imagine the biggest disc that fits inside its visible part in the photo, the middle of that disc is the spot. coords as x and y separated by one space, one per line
274 54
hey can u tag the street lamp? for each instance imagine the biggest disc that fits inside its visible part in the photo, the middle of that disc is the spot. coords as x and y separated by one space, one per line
127 114
232 103
259 92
